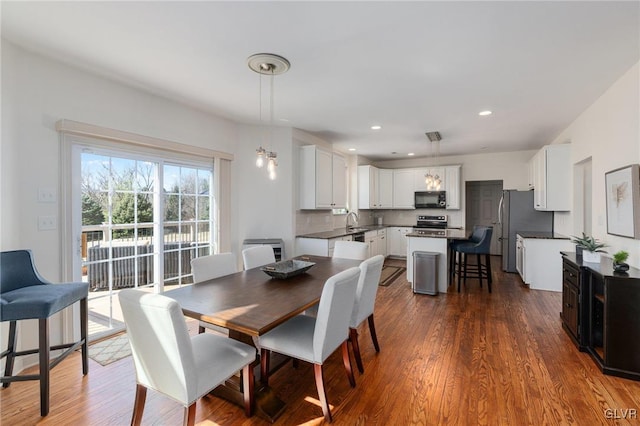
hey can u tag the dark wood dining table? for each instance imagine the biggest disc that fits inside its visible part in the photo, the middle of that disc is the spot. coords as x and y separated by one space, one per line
250 303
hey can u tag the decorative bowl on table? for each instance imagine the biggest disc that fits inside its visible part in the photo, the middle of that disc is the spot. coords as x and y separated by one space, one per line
286 268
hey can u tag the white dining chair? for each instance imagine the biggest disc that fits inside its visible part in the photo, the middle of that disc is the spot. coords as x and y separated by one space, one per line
370 271
351 250
257 256
177 365
213 266
209 267
313 339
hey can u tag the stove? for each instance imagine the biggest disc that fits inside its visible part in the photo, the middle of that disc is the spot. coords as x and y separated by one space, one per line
431 222
427 232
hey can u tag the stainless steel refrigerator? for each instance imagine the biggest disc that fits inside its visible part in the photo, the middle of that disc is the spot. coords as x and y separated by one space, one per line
516 214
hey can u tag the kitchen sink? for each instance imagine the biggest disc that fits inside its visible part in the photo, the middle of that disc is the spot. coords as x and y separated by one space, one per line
357 230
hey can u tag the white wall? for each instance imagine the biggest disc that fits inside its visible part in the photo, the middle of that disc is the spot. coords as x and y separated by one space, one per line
37 92
608 132
263 208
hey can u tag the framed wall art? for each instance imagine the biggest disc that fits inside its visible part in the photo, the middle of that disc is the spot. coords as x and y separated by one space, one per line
623 201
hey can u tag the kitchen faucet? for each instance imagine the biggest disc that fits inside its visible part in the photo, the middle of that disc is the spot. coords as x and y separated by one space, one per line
355 218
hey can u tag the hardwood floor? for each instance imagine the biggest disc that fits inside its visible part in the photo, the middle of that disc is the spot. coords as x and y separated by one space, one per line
469 358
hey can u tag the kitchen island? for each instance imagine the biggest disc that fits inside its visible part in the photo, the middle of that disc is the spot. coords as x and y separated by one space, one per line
435 241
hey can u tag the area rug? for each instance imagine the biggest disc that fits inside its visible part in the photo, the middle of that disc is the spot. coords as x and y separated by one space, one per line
390 273
110 350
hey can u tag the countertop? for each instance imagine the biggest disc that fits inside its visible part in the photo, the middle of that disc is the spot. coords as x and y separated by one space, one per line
450 234
341 232
542 235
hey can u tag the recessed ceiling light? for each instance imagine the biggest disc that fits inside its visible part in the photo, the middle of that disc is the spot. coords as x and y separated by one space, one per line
285 120
352 149
483 113
376 127
410 154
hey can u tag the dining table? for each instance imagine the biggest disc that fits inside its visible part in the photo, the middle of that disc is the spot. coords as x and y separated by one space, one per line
249 304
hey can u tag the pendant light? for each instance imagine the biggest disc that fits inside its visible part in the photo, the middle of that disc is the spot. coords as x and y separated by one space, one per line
433 181
271 65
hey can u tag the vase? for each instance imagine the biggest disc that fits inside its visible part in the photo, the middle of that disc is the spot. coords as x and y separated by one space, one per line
620 267
579 251
590 256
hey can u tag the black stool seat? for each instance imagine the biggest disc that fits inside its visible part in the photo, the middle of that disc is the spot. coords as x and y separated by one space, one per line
479 246
24 294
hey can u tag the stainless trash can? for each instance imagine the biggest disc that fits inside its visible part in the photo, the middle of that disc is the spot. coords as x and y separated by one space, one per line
425 272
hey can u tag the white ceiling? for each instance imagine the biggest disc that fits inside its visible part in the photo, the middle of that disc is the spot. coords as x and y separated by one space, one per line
411 67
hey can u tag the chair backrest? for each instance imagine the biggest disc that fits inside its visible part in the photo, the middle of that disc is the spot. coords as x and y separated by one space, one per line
160 344
370 271
351 250
17 270
257 256
477 234
334 312
482 246
206 268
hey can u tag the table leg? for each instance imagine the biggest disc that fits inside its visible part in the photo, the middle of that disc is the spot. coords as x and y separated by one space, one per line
268 405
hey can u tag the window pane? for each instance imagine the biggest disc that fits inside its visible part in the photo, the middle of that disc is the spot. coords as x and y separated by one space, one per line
188 181
171 207
144 210
203 235
123 173
204 182
188 210
145 176
203 208
171 178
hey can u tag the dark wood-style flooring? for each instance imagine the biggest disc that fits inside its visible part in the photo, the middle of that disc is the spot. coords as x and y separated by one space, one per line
455 359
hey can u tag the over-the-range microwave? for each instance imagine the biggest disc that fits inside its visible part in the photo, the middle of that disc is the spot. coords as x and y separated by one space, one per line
430 199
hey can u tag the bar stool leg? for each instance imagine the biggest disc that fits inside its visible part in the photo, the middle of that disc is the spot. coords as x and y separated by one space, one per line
479 269
43 325
489 280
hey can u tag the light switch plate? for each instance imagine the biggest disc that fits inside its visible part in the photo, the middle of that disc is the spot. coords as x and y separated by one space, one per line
47 223
46 195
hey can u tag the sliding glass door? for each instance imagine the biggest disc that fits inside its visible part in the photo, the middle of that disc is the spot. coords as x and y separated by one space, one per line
142 220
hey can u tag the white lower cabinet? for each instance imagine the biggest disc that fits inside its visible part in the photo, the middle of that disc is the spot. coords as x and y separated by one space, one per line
397 240
318 246
539 261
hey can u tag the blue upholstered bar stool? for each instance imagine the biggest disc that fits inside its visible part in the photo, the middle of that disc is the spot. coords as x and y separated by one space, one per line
479 248
24 294
452 255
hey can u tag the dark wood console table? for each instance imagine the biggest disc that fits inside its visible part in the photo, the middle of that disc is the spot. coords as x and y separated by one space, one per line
601 313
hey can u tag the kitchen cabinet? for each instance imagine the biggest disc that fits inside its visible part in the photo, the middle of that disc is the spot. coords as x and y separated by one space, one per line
537 259
323 177
375 188
397 240
403 189
377 241
550 170
452 186
607 325
318 246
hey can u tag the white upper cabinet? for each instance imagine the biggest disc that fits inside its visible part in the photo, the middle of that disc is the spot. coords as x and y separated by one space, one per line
385 188
403 189
452 186
551 173
323 177
375 188
339 181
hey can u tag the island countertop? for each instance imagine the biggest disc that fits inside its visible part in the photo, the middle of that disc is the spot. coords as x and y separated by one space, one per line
542 235
341 232
450 234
